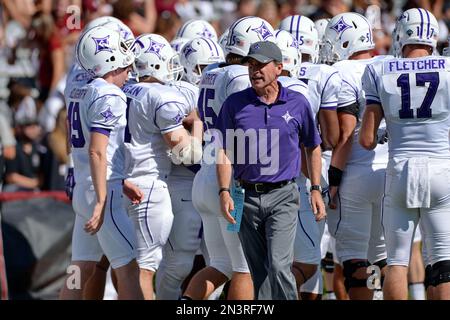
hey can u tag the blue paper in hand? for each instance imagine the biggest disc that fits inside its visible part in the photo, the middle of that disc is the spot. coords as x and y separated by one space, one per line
238 195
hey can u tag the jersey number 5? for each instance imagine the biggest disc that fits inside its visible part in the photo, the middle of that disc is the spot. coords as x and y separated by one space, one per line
76 131
424 111
207 113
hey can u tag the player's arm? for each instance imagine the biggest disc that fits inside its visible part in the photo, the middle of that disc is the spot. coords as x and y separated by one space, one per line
193 124
314 163
329 127
97 162
69 183
374 112
185 149
223 164
369 127
347 117
328 118
309 136
224 171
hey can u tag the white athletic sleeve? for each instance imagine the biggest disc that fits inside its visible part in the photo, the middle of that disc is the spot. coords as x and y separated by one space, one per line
169 116
106 111
370 87
331 87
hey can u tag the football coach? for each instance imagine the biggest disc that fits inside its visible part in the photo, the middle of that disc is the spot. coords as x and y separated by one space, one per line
263 129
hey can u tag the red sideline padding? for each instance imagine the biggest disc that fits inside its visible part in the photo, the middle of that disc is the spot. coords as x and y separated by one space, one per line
24 195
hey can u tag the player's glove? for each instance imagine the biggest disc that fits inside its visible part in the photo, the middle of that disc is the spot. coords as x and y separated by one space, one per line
70 183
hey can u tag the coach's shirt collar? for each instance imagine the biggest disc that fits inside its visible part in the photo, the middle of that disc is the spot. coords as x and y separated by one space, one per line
281 99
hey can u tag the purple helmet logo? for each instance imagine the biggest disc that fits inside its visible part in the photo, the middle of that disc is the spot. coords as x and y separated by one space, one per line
263 31
205 33
188 50
341 26
155 47
102 44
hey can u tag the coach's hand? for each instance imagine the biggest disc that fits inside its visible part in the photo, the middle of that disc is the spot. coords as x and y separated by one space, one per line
332 204
317 205
132 192
96 221
227 206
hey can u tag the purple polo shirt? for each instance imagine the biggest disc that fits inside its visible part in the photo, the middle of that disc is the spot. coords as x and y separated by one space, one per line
262 141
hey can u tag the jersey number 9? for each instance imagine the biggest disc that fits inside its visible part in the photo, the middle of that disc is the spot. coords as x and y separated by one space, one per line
76 131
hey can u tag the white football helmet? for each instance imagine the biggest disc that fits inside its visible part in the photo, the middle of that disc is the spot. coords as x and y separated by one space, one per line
113 24
395 49
321 26
305 32
197 28
223 40
246 31
125 32
156 58
178 43
346 34
289 49
101 20
101 50
417 26
197 53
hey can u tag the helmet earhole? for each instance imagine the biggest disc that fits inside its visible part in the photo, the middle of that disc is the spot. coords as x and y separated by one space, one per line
345 44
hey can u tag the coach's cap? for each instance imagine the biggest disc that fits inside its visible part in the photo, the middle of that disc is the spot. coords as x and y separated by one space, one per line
264 52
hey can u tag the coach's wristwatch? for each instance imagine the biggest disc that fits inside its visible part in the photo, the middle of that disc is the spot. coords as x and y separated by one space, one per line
315 187
224 189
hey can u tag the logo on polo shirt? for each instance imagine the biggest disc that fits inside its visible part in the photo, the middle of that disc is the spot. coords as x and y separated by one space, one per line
287 117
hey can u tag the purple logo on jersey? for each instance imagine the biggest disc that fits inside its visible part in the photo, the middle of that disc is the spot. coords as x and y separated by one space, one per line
188 50
155 47
102 44
178 118
263 31
340 26
108 115
205 33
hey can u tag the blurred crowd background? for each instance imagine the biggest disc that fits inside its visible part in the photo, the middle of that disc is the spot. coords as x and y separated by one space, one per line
37 40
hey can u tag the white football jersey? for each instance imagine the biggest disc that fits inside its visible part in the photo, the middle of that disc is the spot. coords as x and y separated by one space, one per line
153 110
324 83
414 94
76 78
190 92
294 84
97 107
216 86
351 92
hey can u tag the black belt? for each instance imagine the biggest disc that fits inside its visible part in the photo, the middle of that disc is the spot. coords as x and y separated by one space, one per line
264 187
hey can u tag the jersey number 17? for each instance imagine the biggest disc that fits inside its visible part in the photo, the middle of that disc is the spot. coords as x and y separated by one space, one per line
424 111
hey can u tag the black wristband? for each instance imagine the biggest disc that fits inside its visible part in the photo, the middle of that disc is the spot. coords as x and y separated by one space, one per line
224 189
334 176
